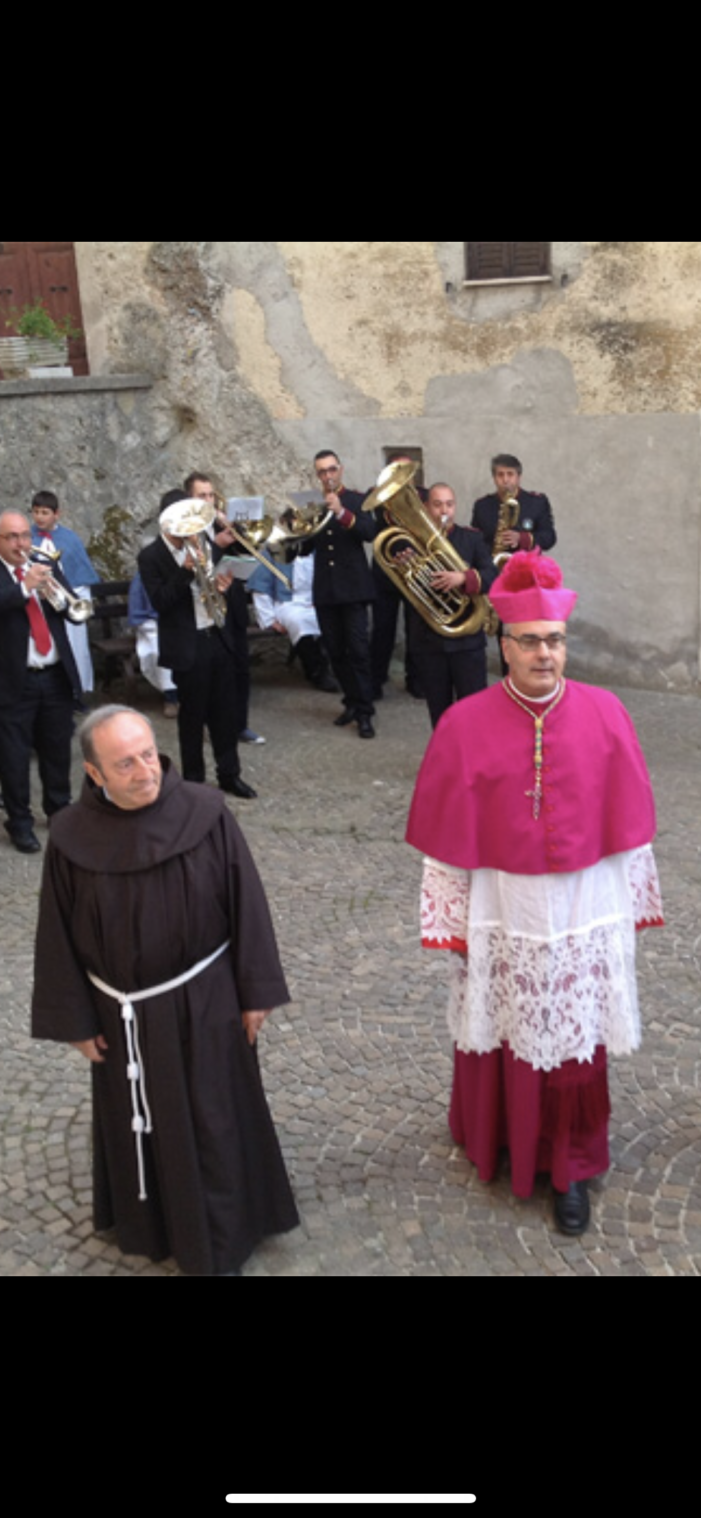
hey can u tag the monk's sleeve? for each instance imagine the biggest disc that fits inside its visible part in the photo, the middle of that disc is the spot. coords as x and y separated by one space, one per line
62 1005
259 976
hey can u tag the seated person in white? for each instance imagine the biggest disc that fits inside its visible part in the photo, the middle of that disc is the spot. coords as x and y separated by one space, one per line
292 612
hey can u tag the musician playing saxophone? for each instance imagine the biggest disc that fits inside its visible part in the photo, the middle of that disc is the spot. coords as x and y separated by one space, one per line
532 525
450 668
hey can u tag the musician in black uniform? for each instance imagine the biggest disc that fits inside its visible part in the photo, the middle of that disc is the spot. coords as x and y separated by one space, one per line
450 668
343 587
534 526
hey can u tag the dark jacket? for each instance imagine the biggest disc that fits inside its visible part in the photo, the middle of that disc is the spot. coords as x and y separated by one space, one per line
14 637
169 589
471 548
533 507
341 570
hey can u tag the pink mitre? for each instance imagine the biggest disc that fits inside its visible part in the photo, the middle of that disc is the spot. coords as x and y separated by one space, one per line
530 589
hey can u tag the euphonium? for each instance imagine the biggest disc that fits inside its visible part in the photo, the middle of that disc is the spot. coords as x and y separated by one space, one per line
190 524
506 521
449 612
77 608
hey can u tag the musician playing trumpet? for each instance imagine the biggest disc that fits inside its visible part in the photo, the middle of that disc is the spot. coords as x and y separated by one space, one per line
39 684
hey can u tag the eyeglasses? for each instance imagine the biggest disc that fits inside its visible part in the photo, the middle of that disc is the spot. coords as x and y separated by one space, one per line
22 537
528 642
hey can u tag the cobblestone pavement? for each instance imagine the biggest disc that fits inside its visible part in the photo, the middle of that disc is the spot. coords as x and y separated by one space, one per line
358 1067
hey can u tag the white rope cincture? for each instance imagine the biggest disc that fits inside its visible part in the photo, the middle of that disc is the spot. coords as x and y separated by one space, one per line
141 1112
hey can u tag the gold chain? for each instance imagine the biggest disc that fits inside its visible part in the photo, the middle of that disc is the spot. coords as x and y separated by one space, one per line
539 719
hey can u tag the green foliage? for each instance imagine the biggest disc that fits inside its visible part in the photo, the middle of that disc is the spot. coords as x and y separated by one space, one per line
35 321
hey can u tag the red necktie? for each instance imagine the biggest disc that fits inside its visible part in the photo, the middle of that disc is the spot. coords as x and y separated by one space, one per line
37 621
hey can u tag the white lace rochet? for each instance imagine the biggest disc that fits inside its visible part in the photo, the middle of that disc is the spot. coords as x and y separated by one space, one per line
550 964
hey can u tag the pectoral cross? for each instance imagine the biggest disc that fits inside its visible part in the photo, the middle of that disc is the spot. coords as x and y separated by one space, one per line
537 791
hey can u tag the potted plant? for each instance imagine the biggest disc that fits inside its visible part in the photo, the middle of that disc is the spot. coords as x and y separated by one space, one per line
41 341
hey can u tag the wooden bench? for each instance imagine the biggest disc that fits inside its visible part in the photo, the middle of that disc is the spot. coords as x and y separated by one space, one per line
110 635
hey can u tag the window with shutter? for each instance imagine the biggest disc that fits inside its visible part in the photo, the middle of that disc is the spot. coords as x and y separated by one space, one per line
486 261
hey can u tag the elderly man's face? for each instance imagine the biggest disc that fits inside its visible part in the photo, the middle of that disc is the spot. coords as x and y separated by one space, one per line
126 761
15 538
535 671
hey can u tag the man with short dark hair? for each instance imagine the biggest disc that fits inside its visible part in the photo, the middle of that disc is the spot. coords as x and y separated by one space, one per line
156 958
343 589
532 526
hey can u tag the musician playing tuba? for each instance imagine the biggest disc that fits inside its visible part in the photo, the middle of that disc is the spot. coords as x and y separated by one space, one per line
451 667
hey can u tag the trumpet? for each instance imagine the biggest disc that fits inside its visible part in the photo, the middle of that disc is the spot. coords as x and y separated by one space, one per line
77 608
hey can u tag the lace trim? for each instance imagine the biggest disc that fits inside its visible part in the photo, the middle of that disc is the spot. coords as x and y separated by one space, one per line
445 905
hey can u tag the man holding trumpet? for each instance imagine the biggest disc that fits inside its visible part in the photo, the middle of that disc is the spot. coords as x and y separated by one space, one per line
39 683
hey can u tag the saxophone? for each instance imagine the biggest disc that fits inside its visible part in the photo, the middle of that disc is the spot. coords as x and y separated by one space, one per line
506 521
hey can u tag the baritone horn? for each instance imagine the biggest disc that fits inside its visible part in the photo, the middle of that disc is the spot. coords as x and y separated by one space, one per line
412 549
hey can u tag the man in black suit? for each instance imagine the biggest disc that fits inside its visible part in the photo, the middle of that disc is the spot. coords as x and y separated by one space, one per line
198 651
39 684
343 587
450 668
533 526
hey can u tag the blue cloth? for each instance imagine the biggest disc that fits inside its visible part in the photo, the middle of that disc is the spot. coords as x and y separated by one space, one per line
74 559
264 583
139 607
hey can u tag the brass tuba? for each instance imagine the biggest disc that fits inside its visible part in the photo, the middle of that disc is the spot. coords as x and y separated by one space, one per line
449 612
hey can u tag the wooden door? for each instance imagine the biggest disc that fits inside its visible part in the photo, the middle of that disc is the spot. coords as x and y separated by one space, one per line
46 271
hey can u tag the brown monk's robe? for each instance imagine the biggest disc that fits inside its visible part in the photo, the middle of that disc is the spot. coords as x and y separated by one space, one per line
138 897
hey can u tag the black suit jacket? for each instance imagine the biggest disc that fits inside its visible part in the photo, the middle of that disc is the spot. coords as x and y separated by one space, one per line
14 638
169 589
473 552
533 507
341 570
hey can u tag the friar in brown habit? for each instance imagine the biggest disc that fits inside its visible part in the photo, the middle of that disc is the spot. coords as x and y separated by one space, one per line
156 958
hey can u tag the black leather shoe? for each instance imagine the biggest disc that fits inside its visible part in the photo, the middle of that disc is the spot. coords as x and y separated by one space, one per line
238 787
572 1208
26 843
346 717
365 728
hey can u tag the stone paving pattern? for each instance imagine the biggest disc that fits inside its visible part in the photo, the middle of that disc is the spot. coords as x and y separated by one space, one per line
358 1066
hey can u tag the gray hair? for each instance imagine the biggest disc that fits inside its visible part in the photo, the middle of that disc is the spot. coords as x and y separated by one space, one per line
96 719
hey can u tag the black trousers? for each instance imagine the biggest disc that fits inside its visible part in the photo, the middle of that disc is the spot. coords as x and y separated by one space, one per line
207 698
42 719
448 676
344 630
385 611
